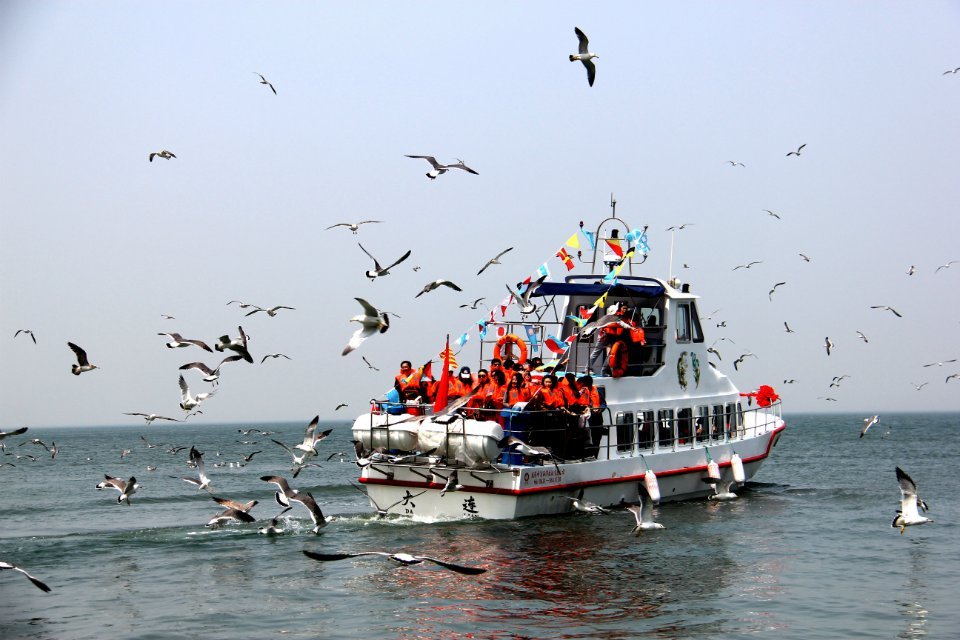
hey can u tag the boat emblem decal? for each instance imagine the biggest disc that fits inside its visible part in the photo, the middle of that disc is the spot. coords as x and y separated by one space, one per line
682 370
695 362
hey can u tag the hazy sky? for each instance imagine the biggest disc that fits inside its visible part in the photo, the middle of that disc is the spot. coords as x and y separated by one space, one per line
96 242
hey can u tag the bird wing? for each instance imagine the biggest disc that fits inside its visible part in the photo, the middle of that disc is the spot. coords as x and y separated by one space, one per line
339 224
315 513
431 160
447 283
376 264
184 390
37 583
637 511
584 42
591 71
195 365
368 308
81 354
908 495
459 568
398 261
308 432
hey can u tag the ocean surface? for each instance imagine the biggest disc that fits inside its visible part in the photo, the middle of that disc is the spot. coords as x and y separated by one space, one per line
806 552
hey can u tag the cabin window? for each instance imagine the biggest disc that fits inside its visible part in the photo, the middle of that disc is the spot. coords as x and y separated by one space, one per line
695 323
625 428
730 416
701 426
683 322
645 425
665 426
685 425
716 425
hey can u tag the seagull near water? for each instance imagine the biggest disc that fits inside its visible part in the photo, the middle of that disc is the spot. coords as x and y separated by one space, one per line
83 364
166 155
910 504
264 81
585 56
353 226
28 332
37 583
238 344
150 417
867 423
400 558
579 504
188 401
494 260
202 481
642 511
436 284
126 487
379 270
440 169
372 321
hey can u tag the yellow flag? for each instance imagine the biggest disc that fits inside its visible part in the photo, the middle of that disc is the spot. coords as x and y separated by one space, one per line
573 242
601 301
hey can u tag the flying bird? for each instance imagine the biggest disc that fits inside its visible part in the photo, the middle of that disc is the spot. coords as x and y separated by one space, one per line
919 386
440 169
910 504
912 270
770 294
472 305
838 379
126 487
367 362
642 511
150 417
28 332
583 55
83 364
579 504
401 558
680 227
275 355
353 226
272 311
886 308
775 215
15 432
372 321
430 286
210 375
867 423
947 265
340 406
166 155
493 260
861 336
787 327
379 270
805 258
748 265
176 340
734 163
264 81
285 494
952 376
950 71
37 583
940 364
189 402
311 436
739 361
202 481
238 344
828 344
797 152
523 299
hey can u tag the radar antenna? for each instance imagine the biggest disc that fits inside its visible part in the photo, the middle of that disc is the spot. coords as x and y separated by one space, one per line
613 206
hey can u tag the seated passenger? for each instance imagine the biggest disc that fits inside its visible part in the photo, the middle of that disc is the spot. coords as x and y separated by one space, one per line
407 382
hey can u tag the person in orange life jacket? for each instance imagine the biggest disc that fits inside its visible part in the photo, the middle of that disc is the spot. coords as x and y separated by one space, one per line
571 391
516 391
407 382
549 397
494 391
479 390
608 335
592 414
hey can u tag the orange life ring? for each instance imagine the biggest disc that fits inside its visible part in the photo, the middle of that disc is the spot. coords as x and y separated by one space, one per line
619 359
510 339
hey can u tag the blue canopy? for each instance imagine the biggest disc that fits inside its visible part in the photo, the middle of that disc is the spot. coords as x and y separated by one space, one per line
646 290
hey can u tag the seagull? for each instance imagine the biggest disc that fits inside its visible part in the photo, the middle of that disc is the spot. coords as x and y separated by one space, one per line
828 344
147 442
15 432
472 305
910 503
770 294
912 270
285 494
227 515
306 499
377 269
714 352
210 375
838 379
272 529
243 507
797 152
440 169
775 215
787 327
952 376
353 226
947 265
401 558
371 321
82 363
526 307
37 583
642 511
748 265
274 355
861 336
166 316
583 55
272 311
264 81
721 490
381 512
28 332
176 340
886 308
940 364
430 286
805 258
867 423
298 459
789 381
734 163
36 441
340 406
311 437
367 362
196 458
150 417
680 227
188 401
452 483
919 386
166 155
586 506
494 260
238 344
739 361
126 487
54 450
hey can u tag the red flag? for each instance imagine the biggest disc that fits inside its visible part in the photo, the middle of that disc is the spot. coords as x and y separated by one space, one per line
565 257
614 244
441 400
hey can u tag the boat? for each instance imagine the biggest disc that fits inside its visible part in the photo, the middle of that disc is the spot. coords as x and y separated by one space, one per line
670 426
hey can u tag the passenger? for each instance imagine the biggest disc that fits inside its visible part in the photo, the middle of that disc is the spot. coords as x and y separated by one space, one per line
493 399
479 392
536 363
407 382
614 330
591 409
549 397
495 365
509 367
516 391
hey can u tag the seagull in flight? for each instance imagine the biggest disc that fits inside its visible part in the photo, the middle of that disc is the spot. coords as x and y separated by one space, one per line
202 481
910 504
585 56
912 270
472 305
867 423
353 226
770 294
210 375
150 417
440 169
748 265
264 81
367 362
680 227
940 364
828 344
400 558
947 265
37 583
238 344
83 364
372 321
494 260
272 311
775 215
523 299
430 286
787 327
311 437
838 379
734 163
28 332
797 152
188 401
379 270
919 386
579 504
739 361
642 511
166 155
178 341
275 355
126 487
886 308
805 258
861 336
950 71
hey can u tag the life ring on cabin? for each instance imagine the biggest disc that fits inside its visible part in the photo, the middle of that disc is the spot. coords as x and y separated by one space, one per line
510 339
619 359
